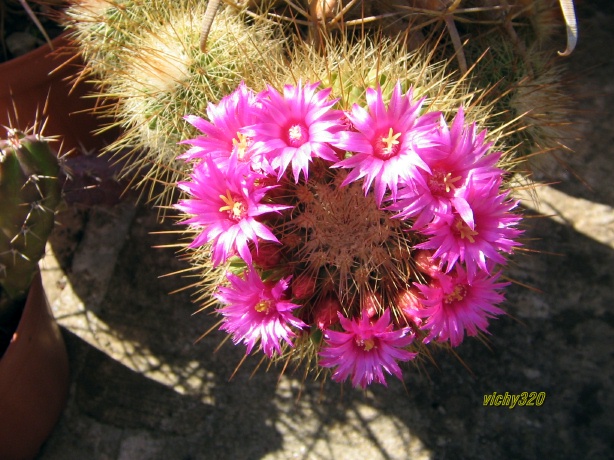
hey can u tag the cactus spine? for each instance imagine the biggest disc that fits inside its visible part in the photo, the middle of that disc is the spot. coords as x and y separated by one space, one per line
30 191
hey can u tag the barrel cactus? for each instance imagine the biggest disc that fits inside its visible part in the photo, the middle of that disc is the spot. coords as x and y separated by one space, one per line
308 263
30 192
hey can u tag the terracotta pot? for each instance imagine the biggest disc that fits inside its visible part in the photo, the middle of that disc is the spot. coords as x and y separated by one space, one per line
34 379
42 83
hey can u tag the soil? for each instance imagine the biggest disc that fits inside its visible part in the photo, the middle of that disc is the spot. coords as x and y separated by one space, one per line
142 389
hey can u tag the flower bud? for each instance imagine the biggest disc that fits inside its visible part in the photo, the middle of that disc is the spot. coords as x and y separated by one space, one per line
426 264
268 255
326 312
303 286
409 302
371 303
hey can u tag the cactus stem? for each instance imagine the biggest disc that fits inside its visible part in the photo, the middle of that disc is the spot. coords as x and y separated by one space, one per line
30 191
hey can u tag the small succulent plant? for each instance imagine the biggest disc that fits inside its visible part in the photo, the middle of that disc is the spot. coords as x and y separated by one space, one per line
30 192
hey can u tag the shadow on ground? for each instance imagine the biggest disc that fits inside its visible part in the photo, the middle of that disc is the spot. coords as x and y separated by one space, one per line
160 396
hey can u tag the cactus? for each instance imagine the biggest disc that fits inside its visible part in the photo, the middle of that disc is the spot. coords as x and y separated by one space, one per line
30 191
146 54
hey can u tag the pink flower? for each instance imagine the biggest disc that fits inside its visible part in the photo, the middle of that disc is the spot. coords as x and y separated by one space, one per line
295 127
224 138
225 206
478 227
386 141
457 154
255 311
365 349
453 305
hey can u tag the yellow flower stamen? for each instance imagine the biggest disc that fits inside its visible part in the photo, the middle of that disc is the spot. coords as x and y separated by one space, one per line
295 132
465 231
367 345
241 143
448 181
457 295
391 140
235 209
264 306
